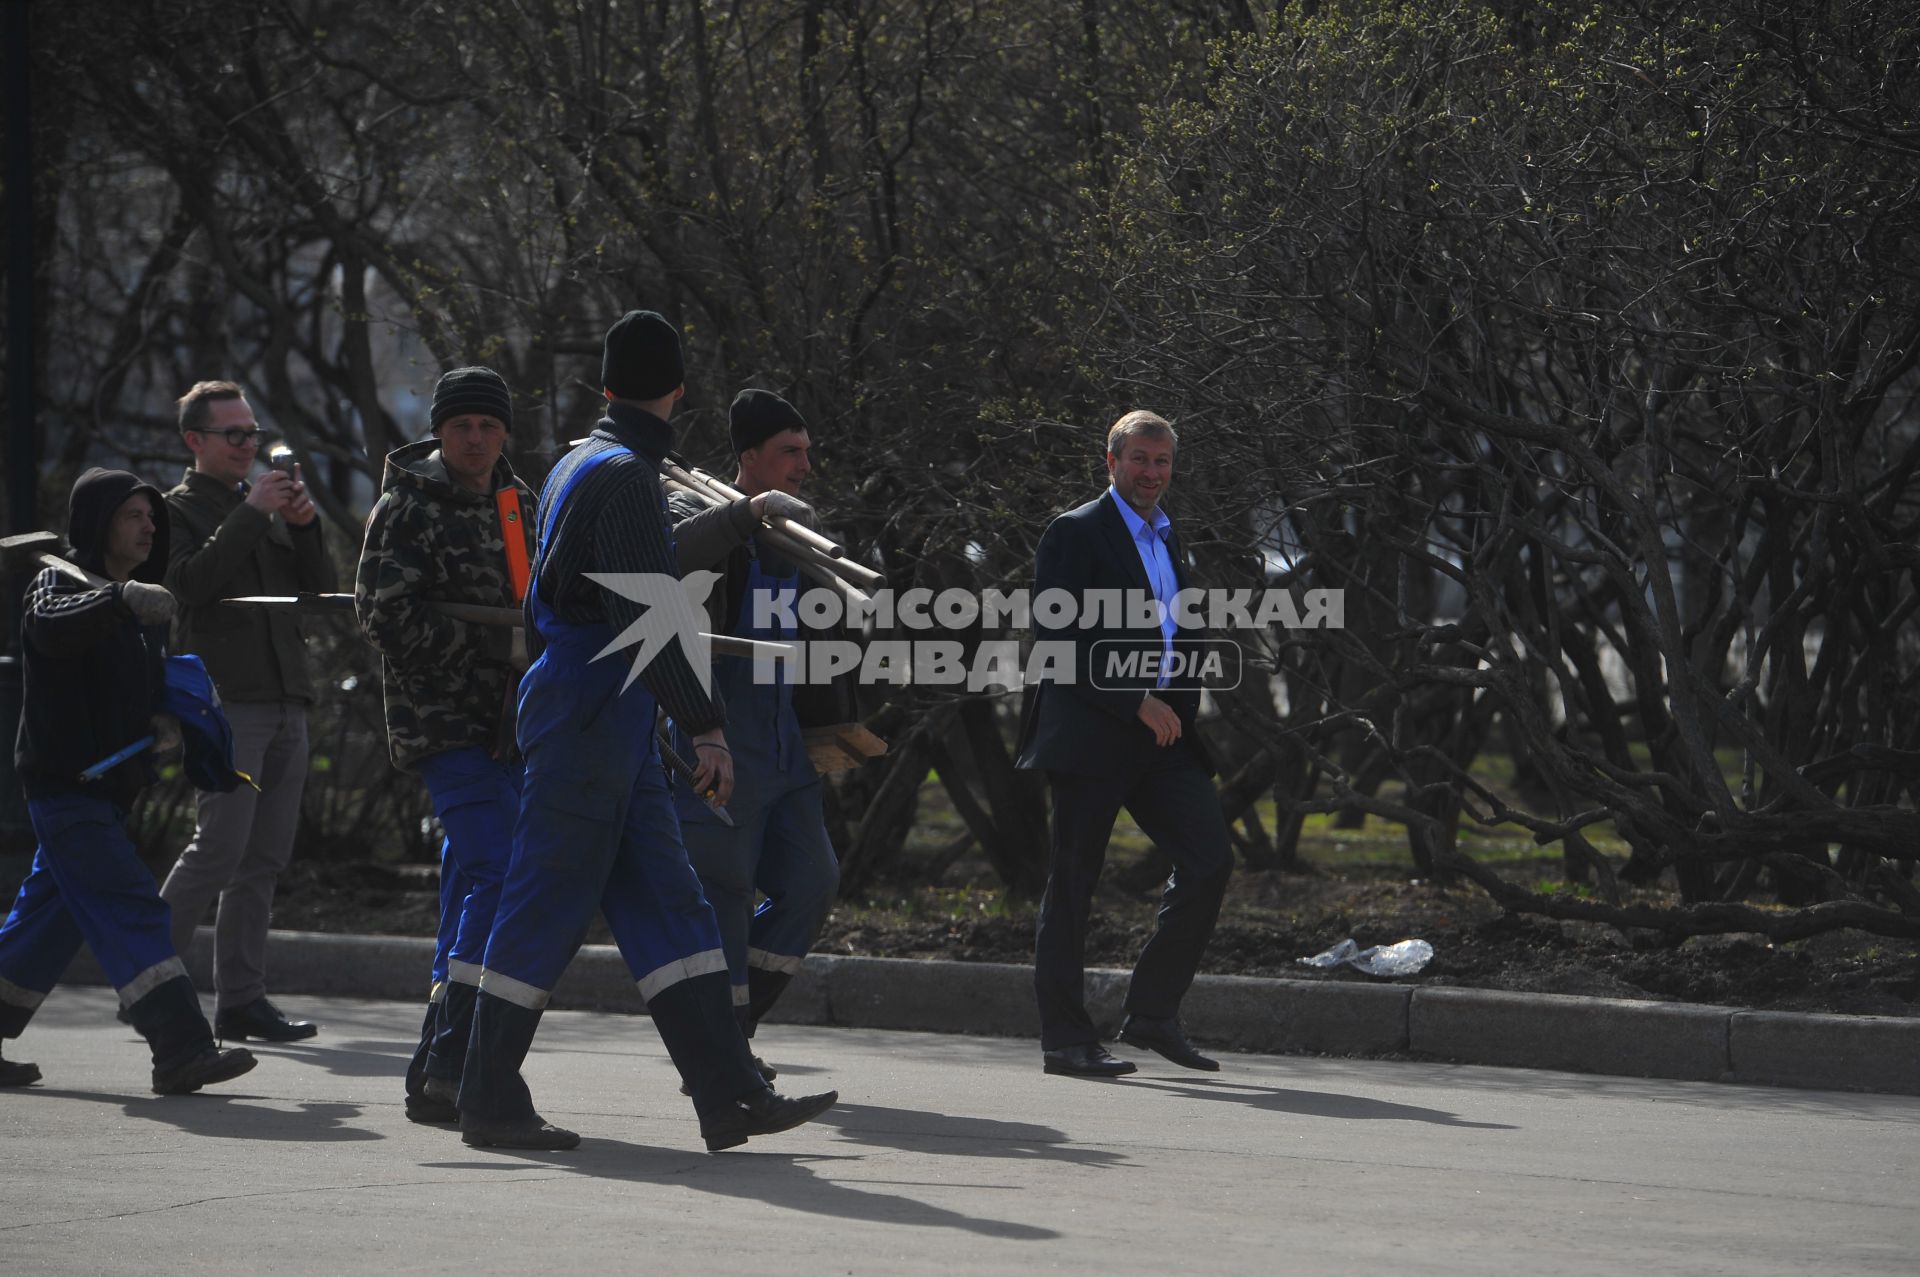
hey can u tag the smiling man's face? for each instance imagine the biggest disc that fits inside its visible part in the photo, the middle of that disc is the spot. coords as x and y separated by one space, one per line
1141 471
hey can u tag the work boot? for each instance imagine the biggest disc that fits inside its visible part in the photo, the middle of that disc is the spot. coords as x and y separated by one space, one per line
17 1072
762 1113
435 1102
522 1132
215 1064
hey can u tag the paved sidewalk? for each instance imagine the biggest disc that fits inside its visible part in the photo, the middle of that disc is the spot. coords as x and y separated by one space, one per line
1327 1017
947 1154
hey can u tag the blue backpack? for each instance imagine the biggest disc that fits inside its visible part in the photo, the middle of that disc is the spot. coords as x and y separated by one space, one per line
205 734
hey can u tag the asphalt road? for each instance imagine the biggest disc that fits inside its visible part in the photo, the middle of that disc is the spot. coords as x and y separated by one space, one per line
946 1154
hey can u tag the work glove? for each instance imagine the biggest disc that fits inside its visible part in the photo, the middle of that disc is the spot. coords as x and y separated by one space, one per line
790 507
150 604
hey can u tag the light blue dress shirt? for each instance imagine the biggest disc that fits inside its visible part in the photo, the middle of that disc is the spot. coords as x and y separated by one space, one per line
1150 541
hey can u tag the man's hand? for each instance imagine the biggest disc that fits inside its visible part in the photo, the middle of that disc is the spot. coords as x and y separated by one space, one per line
772 503
150 604
271 492
712 766
299 510
1160 719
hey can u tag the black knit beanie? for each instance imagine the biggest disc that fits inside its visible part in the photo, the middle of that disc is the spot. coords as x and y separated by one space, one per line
471 390
757 416
641 359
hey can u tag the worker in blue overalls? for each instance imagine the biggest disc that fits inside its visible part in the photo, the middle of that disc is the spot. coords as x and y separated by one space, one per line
597 827
777 845
93 674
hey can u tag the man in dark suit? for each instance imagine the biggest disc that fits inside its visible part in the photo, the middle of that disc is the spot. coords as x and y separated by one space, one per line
1120 734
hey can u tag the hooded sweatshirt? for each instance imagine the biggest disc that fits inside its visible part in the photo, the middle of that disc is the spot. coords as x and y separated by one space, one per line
447 681
92 674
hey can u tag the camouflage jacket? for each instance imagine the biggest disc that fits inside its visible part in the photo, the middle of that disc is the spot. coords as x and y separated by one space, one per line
447 680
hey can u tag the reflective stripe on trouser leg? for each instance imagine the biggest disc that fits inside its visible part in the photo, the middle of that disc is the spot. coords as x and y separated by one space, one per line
783 963
14 996
150 979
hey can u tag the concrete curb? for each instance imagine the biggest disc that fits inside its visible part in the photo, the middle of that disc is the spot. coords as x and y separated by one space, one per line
1271 1016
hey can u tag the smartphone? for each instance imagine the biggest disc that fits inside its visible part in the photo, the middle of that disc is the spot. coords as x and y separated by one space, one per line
281 458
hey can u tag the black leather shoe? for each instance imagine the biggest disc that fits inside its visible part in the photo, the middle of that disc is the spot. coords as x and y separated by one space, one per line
1086 1059
1165 1037
215 1064
435 1104
766 1071
525 1133
261 1019
762 1113
18 1072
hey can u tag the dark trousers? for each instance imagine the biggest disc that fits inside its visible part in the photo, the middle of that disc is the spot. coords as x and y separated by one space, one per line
1172 799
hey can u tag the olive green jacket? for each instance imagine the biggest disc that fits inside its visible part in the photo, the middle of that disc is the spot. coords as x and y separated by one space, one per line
224 548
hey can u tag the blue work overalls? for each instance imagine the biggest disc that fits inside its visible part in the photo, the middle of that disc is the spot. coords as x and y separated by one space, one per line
597 830
778 844
88 886
476 799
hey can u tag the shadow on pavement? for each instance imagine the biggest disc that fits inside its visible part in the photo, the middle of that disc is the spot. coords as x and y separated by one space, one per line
365 1058
919 1131
231 1117
777 1179
1312 1103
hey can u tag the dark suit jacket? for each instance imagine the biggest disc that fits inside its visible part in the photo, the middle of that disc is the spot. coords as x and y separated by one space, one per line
1082 728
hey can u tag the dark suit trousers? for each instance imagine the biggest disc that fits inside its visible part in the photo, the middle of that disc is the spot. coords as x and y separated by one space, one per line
1173 801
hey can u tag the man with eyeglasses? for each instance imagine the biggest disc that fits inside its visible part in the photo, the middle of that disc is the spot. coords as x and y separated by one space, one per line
234 536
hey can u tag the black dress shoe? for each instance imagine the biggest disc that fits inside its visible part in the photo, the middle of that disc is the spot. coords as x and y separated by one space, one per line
435 1105
522 1133
762 1113
1086 1059
18 1072
215 1064
1165 1037
261 1019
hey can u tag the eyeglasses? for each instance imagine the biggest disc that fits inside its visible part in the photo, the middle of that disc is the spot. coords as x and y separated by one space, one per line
237 437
